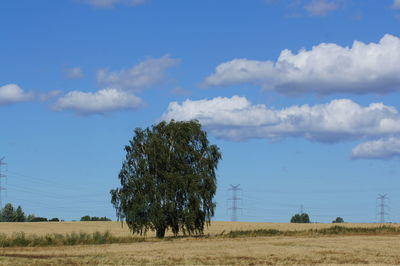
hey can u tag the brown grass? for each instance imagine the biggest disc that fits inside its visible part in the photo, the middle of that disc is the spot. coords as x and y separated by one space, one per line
115 228
382 249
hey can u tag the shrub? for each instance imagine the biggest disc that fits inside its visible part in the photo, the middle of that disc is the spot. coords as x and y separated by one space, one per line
39 219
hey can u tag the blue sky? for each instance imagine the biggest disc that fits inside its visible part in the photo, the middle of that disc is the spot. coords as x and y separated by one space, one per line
302 97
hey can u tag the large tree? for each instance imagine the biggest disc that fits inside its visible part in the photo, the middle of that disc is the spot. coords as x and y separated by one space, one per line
168 179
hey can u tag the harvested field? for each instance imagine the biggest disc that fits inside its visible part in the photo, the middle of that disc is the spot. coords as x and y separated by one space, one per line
115 228
254 250
332 249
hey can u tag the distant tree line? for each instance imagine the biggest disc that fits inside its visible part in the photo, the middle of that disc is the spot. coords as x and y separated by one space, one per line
304 218
87 218
10 214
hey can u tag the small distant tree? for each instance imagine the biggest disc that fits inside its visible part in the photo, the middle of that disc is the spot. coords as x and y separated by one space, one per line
39 219
338 220
85 218
54 220
8 213
300 218
19 215
30 218
168 179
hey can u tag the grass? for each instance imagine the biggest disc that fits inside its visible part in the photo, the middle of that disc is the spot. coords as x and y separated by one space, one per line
216 228
224 243
333 230
21 239
274 250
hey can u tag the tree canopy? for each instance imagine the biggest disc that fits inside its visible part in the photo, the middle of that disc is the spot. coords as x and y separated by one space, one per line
300 218
9 214
338 220
87 218
168 179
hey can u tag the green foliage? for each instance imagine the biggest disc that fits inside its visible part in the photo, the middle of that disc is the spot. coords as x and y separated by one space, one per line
168 179
19 215
22 240
87 218
39 219
30 217
54 220
9 214
300 218
337 230
104 219
338 220
254 233
333 230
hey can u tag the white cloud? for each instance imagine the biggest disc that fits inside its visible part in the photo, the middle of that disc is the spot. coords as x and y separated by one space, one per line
48 95
102 101
320 7
12 93
73 73
145 74
112 3
378 149
326 68
237 119
396 4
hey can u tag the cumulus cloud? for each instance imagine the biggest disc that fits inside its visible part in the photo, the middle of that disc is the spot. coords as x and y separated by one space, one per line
339 120
326 68
112 3
48 95
102 101
145 74
121 87
396 4
12 93
73 73
378 149
320 7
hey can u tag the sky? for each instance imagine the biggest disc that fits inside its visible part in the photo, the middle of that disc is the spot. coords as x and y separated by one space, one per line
301 96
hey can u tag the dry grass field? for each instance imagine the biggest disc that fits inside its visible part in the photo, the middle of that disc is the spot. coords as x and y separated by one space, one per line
42 228
335 249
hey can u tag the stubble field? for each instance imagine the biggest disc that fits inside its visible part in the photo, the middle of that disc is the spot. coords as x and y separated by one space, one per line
382 248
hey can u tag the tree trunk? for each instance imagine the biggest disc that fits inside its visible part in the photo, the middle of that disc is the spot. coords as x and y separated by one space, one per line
160 232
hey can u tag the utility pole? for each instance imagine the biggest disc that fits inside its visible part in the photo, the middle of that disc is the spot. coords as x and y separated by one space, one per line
382 206
2 176
234 200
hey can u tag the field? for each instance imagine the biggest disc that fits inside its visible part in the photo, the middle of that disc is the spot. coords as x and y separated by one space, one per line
381 248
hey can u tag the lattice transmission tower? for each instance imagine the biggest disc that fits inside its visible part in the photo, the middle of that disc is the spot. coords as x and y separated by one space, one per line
235 199
2 163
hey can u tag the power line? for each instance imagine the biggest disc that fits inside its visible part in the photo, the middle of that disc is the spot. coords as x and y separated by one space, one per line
382 206
234 200
2 176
